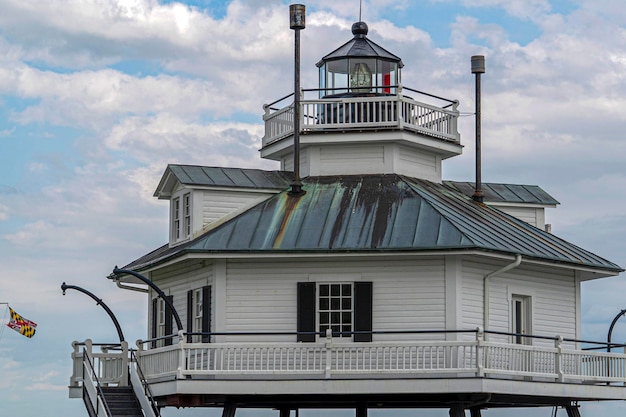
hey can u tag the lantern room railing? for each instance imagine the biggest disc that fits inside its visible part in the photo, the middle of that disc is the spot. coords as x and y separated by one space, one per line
362 112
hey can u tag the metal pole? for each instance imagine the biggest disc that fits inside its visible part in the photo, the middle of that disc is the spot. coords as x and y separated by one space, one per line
117 271
99 302
478 67
297 16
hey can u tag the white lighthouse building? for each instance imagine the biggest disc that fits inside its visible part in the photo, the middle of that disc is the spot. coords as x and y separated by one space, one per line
379 286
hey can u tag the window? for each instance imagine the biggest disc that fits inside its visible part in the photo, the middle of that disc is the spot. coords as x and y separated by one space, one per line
181 217
521 318
199 314
187 214
176 218
160 317
162 321
339 306
335 309
197 310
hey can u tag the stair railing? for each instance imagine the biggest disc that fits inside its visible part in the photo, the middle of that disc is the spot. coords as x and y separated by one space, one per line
93 396
142 388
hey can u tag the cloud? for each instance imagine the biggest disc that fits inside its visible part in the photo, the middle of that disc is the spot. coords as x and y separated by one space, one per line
144 83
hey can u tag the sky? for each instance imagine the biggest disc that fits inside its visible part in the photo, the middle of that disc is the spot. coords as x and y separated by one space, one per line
98 96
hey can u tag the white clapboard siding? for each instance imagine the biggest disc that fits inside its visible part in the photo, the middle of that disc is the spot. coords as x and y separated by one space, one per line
553 295
217 204
177 280
531 215
419 164
365 159
472 297
407 295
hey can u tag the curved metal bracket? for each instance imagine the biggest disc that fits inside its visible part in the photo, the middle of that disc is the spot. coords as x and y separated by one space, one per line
117 271
99 302
608 337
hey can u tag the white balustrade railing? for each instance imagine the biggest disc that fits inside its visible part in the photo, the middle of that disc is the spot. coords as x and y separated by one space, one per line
328 358
375 112
110 367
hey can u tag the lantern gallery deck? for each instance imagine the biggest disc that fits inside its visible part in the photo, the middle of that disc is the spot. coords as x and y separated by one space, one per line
374 112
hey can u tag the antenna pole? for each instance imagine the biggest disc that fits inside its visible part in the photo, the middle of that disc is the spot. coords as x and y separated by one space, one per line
478 67
360 10
297 16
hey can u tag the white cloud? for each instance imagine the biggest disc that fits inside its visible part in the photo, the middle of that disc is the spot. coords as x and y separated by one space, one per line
147 84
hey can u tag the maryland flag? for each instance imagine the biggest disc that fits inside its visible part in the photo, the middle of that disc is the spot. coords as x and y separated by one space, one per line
22 325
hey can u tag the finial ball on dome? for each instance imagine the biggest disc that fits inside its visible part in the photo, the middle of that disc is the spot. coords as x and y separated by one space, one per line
359 29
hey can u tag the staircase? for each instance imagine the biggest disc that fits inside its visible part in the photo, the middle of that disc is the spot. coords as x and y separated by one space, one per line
122 402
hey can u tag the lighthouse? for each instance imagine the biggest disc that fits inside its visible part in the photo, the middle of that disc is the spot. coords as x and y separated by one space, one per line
377 285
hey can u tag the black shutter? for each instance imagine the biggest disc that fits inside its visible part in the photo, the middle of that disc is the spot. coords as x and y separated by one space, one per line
155 319
306 311
363 311
190 328
206 313
168 320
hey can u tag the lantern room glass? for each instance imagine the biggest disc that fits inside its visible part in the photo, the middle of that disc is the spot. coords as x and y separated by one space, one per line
358 76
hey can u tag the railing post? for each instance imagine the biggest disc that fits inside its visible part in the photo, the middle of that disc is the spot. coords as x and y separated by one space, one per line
454 127
328 347
124 376
558 359
268 129
624 369
77 363
182 361
400 107
480 354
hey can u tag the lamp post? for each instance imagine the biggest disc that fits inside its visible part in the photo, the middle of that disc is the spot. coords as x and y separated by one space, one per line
117 271
99 302
478 67
297 17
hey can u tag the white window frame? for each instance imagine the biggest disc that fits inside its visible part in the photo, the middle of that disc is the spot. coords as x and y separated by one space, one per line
521 318
328 309
181 217
186 215
197 303
176 219
160 320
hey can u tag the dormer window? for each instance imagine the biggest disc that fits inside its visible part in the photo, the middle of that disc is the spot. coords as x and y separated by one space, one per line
187 214
181 218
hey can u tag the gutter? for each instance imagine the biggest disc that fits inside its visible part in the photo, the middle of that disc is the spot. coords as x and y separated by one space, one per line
126 287
515 264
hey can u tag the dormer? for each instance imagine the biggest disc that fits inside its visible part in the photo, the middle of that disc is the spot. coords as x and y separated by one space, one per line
526 202
203 197
361 120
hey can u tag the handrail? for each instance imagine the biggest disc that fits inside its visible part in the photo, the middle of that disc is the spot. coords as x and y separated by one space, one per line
321 334
391 332
325 358
144 383
98 387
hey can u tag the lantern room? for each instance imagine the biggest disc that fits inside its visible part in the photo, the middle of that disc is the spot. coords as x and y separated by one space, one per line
358 68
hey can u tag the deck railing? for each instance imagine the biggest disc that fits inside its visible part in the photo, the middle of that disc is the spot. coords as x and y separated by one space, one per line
334 358
328 358
362 113
110 365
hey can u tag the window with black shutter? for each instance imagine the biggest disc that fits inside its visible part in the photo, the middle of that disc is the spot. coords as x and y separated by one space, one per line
199 314
344 308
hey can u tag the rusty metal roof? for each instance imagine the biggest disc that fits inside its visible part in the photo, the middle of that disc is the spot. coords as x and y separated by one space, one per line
378 213
507 193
